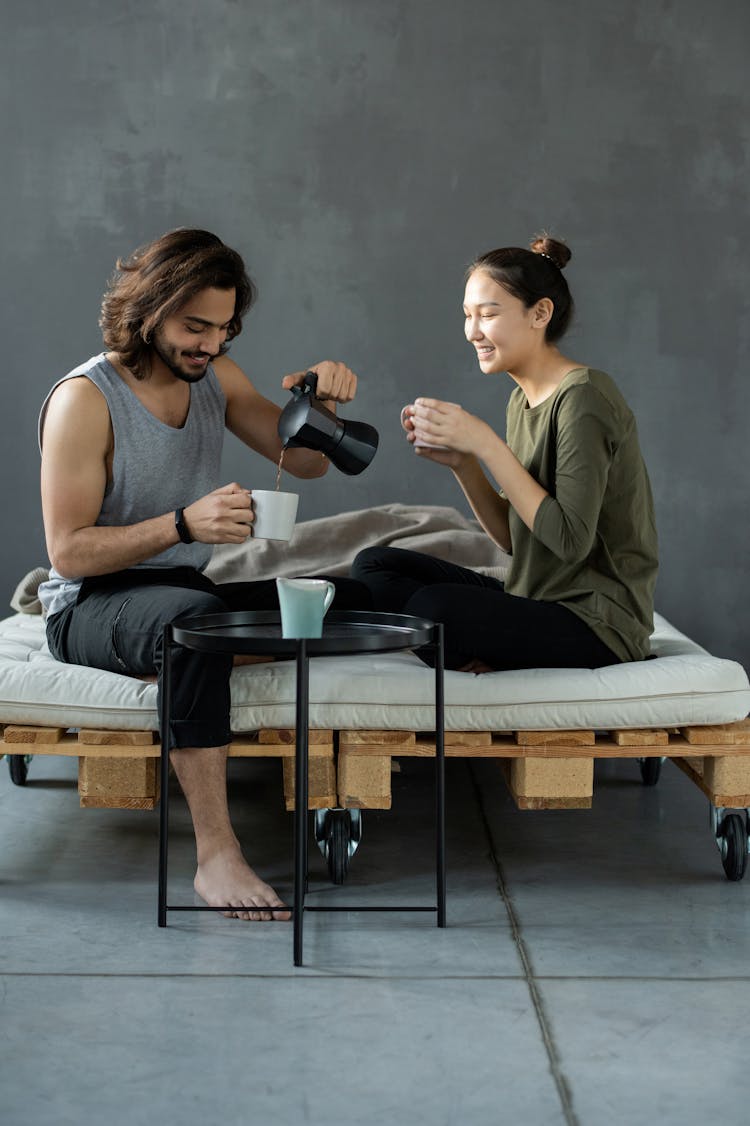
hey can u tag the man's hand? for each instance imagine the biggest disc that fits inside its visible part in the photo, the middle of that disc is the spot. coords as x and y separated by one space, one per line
223 516
335 381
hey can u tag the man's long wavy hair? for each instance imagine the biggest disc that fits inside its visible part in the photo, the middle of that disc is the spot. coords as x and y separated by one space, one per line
157 280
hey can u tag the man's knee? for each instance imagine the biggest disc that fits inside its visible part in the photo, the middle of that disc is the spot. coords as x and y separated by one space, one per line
145 631
193 603
187 604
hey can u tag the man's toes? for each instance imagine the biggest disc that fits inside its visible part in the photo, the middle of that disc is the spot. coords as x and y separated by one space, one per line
267 899
260 914
257 910
244 911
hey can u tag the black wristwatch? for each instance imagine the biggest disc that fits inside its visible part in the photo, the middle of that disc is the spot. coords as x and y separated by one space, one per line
181 526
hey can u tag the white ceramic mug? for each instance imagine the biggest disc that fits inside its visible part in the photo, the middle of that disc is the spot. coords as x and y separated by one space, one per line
417 441
303 604
275 514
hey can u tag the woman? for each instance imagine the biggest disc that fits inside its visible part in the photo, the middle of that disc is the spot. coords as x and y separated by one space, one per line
574 504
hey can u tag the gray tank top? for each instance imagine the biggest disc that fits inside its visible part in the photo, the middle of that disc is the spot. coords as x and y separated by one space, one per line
156 468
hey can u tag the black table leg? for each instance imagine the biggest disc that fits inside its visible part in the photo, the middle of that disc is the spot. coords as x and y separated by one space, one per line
440 774
164 730
191 635
301 786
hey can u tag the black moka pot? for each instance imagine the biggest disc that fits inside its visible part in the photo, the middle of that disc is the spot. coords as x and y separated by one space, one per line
307 422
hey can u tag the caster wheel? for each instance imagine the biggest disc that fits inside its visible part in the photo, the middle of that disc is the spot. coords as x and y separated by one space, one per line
650 770
733 844
338 835
18 769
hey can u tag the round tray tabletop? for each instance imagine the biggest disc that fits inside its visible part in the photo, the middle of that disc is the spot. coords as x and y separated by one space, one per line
254 631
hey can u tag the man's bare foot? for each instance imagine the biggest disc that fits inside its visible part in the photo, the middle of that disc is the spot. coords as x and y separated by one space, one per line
227 878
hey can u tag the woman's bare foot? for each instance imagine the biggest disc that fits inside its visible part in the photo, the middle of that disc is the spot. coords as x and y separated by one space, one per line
476 666
227 878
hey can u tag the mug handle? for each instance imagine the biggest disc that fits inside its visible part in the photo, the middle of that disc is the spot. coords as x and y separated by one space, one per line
329 596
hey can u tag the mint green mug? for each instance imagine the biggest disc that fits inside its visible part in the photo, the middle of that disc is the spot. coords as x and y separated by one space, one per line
303 604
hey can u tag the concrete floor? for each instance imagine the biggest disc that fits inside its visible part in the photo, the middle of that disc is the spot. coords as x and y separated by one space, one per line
595 969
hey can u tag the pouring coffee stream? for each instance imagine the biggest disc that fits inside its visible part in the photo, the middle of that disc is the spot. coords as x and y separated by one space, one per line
306 421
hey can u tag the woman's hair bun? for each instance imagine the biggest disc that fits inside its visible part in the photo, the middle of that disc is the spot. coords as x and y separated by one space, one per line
551 248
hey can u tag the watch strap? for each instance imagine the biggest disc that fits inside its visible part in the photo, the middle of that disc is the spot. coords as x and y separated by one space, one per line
181 526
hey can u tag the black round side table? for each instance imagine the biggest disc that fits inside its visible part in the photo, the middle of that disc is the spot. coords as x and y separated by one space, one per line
259 632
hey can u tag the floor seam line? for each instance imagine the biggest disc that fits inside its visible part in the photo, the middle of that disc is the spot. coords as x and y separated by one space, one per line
561 1083
311 974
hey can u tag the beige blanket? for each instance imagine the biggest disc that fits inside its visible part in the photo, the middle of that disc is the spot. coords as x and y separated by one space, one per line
327 547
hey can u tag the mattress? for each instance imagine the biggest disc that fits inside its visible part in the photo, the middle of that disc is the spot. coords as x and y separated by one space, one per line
392 691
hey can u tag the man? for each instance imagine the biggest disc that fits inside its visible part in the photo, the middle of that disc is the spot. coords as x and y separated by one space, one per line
132 501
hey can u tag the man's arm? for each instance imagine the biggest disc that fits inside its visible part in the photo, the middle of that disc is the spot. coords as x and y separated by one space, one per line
77 442
254 419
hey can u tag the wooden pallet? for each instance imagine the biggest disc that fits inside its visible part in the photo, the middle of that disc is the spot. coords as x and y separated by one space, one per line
552 769
120 769
543 769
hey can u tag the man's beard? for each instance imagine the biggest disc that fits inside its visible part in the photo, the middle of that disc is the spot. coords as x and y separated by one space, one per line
170 357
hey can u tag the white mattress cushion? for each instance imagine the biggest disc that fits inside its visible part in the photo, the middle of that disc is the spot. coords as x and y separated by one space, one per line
393 690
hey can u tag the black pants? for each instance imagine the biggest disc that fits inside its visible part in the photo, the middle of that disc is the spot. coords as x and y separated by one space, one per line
117 624
481 621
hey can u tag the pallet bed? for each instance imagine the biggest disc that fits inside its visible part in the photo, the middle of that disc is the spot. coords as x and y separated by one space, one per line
544 726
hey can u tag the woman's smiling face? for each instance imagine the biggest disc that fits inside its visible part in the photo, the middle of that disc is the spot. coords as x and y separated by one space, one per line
498 325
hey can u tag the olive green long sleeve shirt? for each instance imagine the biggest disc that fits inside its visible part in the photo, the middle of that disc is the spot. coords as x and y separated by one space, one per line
593 547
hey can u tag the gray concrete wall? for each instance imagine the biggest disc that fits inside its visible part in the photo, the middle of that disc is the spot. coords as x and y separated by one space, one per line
359 154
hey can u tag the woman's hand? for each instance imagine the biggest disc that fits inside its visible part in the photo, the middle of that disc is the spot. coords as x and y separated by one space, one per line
336 382
445 432
442 456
